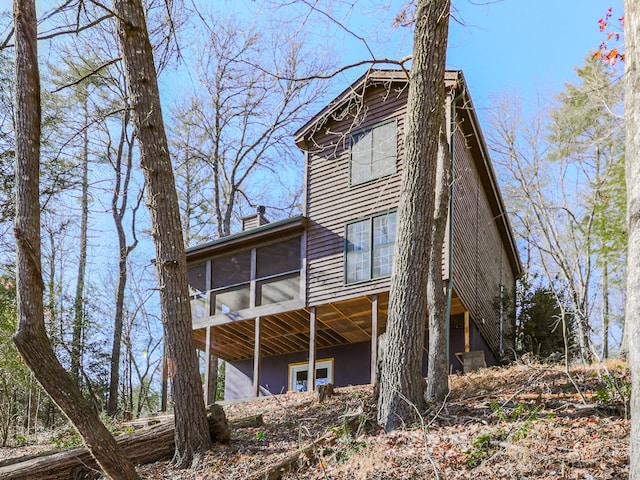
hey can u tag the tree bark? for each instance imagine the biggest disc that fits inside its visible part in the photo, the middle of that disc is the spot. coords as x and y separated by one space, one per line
192 434
148 445
401 374
437 368
632 159
119 203
31 338
77 341
605 310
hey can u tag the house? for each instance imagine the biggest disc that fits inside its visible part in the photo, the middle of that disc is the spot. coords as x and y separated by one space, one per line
278 298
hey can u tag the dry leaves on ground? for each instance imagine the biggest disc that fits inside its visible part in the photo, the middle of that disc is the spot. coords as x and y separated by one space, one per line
525 422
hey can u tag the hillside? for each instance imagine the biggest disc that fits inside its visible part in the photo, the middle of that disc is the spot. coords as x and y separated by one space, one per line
525 421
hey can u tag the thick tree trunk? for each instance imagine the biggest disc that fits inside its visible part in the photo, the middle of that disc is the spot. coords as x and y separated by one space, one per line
31 338
192 435
632 156
437 369
402 364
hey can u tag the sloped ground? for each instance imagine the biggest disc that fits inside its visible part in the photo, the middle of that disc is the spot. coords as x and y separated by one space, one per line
521 422
526 421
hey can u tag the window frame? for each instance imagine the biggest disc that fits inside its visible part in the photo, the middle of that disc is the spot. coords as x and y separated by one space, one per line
362 132
254 281
327 363
370 220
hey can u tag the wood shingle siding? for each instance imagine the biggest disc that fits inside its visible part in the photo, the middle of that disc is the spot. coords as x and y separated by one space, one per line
332 201
480 259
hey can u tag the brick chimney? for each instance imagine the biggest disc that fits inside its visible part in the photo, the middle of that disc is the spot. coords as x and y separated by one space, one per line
255 220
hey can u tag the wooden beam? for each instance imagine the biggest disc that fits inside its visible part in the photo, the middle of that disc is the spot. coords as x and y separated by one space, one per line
467 342
374 338
311 374
348 318
256 358
248 313
207 370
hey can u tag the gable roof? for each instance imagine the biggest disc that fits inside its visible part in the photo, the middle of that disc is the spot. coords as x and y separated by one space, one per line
455 80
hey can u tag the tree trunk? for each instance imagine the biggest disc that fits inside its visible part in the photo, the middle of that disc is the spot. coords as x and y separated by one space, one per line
31 338
632 156
437 368
192 434
119 202
143 446
583 336
605 310
77 340
402 364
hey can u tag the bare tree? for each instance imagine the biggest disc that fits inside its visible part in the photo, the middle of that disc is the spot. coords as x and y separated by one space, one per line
561 179
237 132
31 338
120 157
632 155
401 376
192 430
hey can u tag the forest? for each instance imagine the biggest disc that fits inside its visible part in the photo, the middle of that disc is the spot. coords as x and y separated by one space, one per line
132 130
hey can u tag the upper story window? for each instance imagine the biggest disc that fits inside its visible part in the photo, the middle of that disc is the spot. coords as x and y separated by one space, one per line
374 152
369 247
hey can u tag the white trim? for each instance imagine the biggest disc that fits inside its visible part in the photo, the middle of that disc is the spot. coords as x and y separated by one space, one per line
295 368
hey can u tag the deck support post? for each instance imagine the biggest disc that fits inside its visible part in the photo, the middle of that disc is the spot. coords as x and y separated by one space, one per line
374 338
257 361
467 342
210 372
311 374
165 381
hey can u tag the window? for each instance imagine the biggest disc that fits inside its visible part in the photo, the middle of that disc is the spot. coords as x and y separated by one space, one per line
373 153
369 247
198 289
253 277
278 272
299 374
230 279
231 269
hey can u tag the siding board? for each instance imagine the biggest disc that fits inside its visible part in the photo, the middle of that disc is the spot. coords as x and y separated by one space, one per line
332 202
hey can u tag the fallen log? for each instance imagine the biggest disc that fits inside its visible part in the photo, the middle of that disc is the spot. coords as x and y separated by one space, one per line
143 446
247 422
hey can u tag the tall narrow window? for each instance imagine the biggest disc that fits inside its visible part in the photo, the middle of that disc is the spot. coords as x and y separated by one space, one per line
369 247
373 153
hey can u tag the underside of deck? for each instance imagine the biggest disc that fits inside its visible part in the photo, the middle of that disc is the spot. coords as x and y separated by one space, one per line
339 323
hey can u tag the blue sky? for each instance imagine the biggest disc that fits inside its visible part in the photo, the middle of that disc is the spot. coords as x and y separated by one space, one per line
524 45
503 46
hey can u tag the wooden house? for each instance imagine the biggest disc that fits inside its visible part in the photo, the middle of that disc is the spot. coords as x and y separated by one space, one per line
279 298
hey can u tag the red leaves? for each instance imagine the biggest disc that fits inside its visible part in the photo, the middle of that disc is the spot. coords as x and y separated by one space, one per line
605 53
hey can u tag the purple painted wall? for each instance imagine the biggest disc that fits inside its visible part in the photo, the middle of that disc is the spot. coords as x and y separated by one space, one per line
350 367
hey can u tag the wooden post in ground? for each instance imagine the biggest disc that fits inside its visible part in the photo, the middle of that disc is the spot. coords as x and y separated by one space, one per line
467 341
256 358
311 374
374 338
